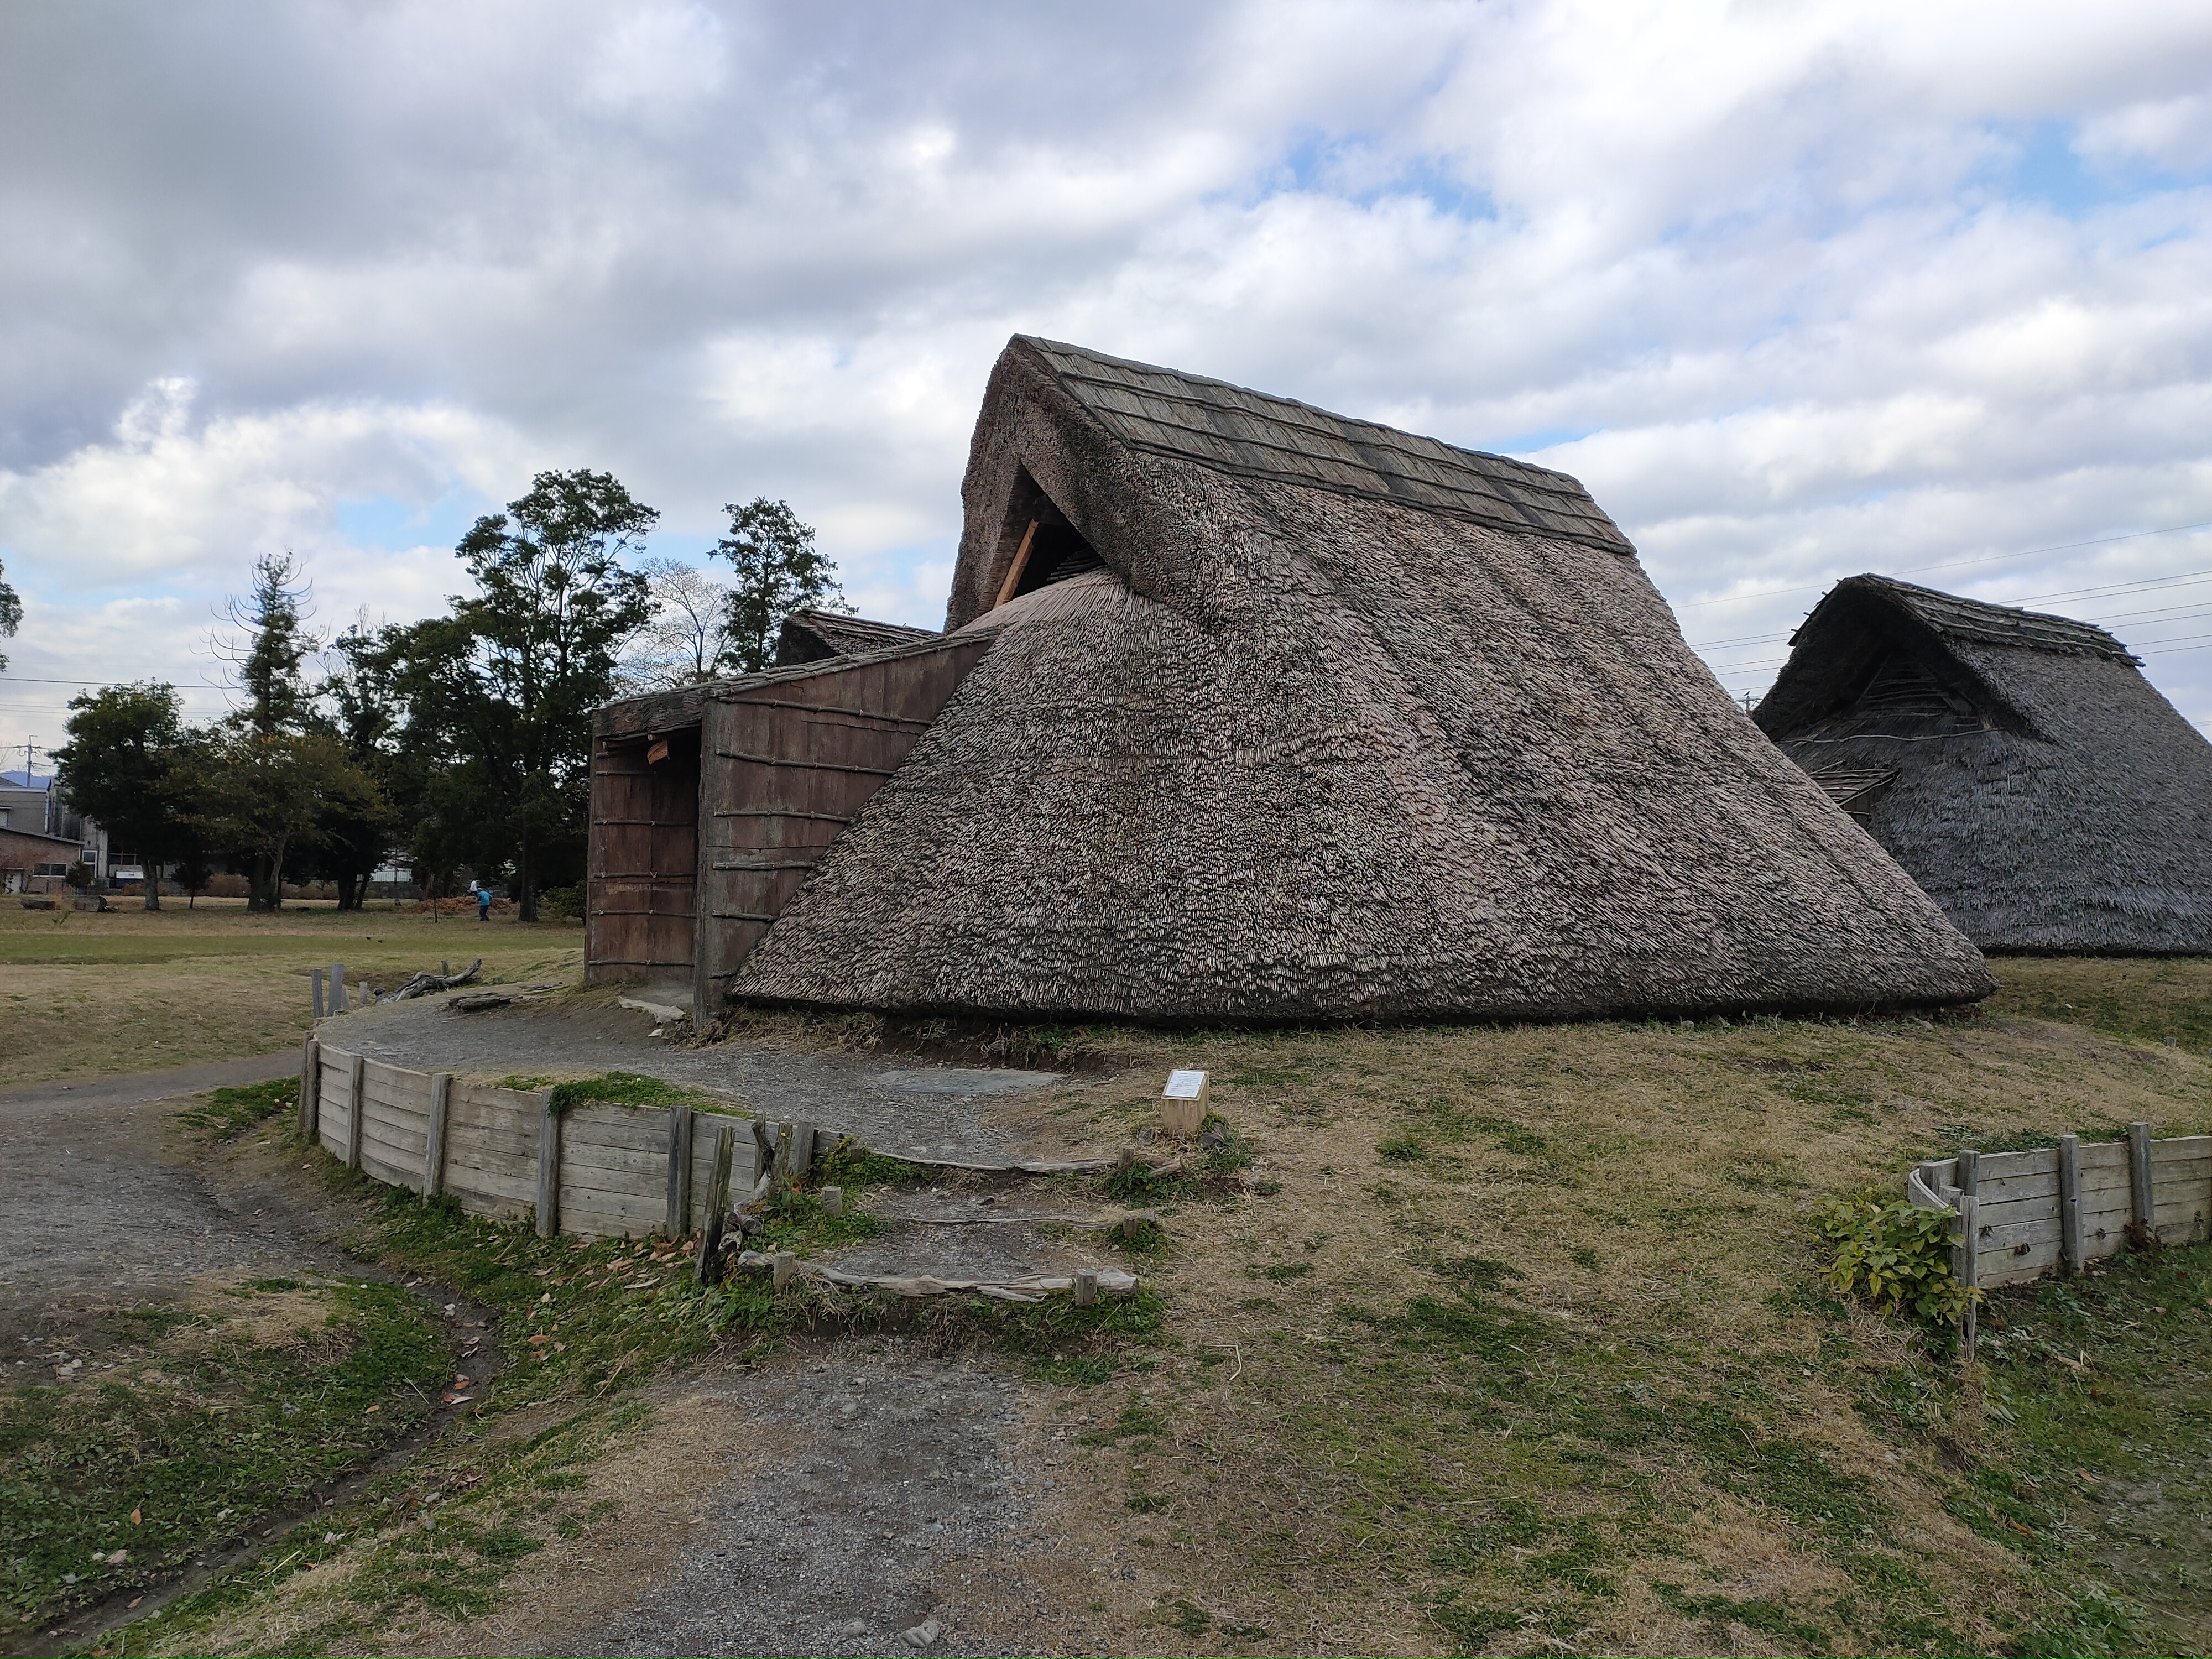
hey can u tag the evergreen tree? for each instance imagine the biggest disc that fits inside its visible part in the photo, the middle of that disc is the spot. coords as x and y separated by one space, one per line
779 571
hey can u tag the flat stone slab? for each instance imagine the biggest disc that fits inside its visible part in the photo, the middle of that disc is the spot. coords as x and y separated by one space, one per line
963 1082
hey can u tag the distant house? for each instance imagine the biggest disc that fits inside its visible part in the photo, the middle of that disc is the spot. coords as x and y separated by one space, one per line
2018 765
33 803
34 864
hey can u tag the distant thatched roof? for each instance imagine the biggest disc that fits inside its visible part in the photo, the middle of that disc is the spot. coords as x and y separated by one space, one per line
2017 764
815 635
1293 716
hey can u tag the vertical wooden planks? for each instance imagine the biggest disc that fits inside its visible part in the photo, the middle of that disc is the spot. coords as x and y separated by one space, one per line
549 1166
708 1270
642 878
1969 1263
354 1111
433 1147
784 768
679 1171
311 1079
2070 1203
2142 1193
315 978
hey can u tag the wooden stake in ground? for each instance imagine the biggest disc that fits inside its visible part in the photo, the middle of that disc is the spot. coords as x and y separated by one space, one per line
709 1271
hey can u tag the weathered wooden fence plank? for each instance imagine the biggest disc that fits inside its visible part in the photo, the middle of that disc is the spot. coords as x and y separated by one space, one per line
549 1168
434 1136
677 1218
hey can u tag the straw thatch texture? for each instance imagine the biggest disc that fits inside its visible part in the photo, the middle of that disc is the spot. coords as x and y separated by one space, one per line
1365 726
817 635
2019 766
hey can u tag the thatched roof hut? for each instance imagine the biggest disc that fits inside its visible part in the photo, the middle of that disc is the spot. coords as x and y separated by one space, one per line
2018 765
1286 716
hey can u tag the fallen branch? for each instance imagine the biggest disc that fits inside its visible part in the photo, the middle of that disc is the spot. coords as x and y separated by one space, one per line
423 983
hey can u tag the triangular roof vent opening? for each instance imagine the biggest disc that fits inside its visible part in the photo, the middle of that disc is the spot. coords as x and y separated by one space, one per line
1050 549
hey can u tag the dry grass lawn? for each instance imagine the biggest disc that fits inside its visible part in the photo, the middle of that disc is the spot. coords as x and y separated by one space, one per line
1529 1350
86 994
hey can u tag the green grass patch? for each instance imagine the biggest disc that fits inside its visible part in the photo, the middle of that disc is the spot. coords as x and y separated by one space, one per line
206 1422
225 1112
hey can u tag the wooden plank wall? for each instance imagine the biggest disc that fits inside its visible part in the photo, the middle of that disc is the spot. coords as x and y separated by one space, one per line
2020 1219
785 768
640 904
612 1181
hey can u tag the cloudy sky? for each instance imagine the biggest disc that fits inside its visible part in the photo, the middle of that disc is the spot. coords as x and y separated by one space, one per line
1798 290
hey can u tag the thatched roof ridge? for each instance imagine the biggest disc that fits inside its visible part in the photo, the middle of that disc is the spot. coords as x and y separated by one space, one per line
1974 621
1232 428
808 636
2018 765
1298 750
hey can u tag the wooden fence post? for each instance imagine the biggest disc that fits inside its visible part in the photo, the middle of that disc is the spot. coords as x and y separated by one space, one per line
1970 1229
1086 1286
354 1112
311 1083
2070 1203
679 1171
802 1150
549 1166
2142 1199
337 1002
786 1268
315 977
433 1140
709 1268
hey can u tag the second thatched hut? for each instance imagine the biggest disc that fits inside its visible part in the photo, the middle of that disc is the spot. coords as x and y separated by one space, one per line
2018 765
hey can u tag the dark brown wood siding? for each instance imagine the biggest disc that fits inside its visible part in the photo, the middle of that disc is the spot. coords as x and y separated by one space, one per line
787 766
641 899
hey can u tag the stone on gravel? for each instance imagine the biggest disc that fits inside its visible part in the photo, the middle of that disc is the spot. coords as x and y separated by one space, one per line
923 1635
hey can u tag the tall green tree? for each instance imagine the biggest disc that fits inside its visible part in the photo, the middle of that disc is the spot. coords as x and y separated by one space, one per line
269 795
123 766
272 777
779 571
508 682
364 705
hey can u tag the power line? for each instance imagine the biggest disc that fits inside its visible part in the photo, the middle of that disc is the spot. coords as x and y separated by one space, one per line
1954 564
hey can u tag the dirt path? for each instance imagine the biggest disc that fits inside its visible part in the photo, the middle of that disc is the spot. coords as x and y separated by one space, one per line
104 1206
830 1502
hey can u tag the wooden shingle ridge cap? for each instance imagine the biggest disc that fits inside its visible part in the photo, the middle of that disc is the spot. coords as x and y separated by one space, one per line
1978 623
1237 430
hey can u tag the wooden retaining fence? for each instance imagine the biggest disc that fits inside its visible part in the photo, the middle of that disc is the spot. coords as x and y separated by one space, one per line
600 1170
2021 1215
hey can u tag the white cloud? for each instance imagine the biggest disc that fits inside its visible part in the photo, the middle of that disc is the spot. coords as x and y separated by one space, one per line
1782 282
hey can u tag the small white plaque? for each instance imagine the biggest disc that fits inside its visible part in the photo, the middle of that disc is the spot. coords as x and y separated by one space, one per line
1184 1086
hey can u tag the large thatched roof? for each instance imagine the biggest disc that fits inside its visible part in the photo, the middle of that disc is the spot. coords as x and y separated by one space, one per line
2018 765
1289 715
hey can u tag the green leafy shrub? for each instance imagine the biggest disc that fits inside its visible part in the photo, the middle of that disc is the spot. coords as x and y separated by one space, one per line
1895 1255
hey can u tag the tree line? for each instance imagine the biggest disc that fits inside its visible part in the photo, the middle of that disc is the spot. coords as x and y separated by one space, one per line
461 742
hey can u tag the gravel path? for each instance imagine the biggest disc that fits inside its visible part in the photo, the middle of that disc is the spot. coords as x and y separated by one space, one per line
908 1111
104 1207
